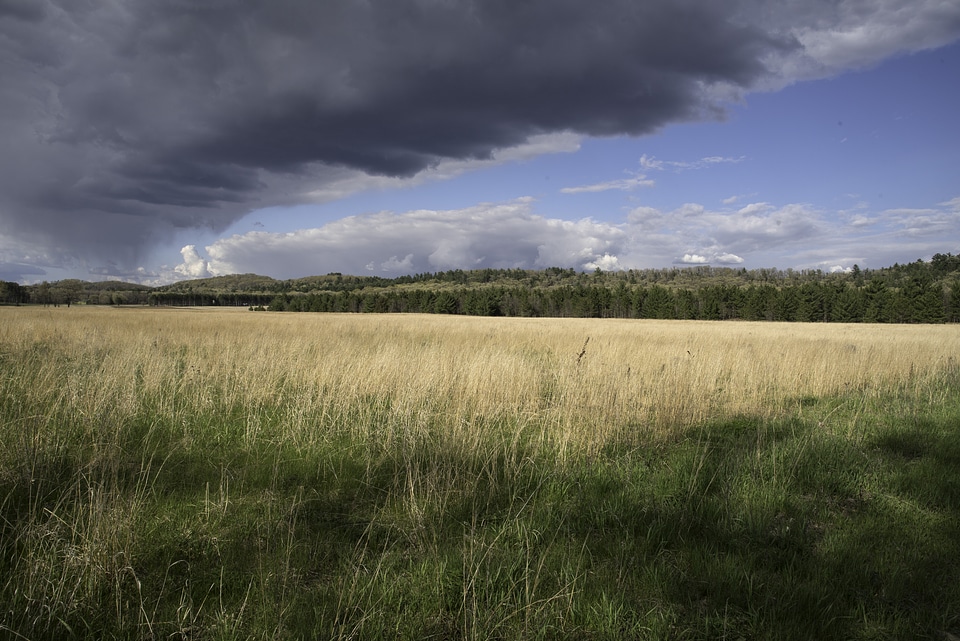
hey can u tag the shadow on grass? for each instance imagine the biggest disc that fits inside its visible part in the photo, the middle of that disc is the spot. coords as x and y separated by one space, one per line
746 529
740 529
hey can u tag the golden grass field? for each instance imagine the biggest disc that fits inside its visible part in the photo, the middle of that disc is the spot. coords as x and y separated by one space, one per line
642 375
219 473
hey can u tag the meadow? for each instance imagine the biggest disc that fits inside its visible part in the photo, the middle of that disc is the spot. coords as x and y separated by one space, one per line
223 474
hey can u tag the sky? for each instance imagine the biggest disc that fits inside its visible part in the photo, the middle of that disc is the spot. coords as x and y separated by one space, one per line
159 140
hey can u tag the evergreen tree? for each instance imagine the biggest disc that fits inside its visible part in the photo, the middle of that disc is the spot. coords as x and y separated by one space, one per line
848 306
786 304
857 276
922 299
952 305
876 304
811 308
446 302
659 303
686 305
710 303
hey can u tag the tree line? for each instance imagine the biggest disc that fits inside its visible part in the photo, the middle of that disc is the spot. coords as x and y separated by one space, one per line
919 301
918 292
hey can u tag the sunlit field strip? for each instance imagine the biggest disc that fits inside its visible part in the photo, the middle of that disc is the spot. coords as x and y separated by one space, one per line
581 378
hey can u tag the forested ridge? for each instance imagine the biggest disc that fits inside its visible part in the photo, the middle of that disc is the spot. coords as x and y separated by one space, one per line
918 292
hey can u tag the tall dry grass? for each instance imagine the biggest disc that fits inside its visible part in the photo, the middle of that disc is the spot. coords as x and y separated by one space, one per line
579 376
580 381
168 471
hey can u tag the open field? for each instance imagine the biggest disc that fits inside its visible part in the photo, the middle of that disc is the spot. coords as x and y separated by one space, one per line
207 474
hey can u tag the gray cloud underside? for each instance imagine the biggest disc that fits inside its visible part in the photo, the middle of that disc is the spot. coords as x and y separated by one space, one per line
125 120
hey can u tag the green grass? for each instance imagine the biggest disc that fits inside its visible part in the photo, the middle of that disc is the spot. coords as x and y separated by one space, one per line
839 519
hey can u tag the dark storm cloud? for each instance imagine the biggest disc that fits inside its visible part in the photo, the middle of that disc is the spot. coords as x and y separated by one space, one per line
125 120
420 82
22 9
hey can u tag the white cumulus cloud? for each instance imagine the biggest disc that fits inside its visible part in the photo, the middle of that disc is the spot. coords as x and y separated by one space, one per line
193 265
498 235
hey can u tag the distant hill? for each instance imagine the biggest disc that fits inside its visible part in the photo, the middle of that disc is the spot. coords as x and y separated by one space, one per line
915 292
230 283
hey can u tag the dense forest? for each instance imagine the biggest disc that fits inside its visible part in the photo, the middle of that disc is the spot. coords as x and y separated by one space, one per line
919 292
